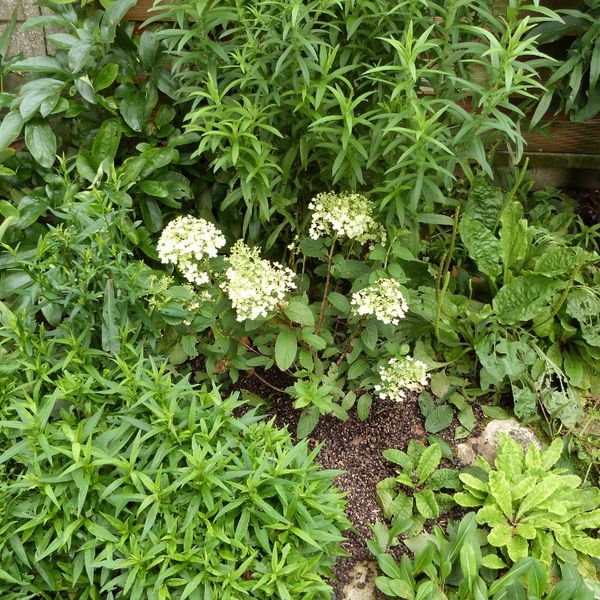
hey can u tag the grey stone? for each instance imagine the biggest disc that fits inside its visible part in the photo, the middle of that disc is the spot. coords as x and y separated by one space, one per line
362 583
487 443
28 43
24 9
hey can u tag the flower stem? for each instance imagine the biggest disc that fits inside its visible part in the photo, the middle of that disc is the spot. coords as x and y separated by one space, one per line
327 283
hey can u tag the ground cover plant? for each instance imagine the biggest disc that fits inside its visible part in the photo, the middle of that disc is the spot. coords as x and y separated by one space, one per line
288 214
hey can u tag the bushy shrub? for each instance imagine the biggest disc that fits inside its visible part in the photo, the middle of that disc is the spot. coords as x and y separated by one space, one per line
294 99
156 490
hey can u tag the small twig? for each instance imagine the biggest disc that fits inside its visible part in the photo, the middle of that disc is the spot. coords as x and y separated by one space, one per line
273 387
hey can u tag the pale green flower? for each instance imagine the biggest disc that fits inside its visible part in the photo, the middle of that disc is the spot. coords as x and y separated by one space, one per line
401 375
255 286
383 300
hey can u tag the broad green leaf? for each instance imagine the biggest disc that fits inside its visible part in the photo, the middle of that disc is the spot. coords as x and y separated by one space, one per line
402 506
517 548
500 535
552 455
428 462
401 589
106 142
286 347
500 489
490 515
106 76
424 558
492 561
399 458
526 530
516 572
558 261
340 302
474 482
547 486
427 505
484 203
133 109
468 500
307 422
513 235
439 418
482 246
10 128
299 312
152 214
389 566
116 11
522 298
510 457
41 142
468 562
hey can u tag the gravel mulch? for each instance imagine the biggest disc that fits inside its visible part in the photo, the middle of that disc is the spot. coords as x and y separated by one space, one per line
356 448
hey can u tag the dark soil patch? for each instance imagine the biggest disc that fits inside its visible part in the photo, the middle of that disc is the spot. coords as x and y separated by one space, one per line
355 447
588 204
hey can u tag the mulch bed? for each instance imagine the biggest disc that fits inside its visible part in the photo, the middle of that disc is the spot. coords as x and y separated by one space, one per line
355 447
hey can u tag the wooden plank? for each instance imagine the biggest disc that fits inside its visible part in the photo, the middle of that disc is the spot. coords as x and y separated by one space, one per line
565 137
141 11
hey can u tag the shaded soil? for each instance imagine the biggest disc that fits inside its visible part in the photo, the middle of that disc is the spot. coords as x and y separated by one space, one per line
588 204
356 448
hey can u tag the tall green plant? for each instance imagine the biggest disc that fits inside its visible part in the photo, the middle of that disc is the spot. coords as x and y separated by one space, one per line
293 98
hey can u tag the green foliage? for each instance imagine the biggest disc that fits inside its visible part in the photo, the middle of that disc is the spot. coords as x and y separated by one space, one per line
290 99
453 566
316 334
424 481
531 508
520 298
118 480
103 97
574 82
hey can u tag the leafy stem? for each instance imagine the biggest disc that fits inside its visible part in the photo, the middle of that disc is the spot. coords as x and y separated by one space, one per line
327 284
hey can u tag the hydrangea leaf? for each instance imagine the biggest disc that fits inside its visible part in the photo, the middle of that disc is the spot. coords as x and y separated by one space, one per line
286 347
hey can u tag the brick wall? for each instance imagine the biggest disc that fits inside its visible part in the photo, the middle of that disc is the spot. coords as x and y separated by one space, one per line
27 43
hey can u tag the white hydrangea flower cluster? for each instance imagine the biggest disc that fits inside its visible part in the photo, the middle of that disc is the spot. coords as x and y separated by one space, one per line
400 375
186 242
254 285
383 300
345 215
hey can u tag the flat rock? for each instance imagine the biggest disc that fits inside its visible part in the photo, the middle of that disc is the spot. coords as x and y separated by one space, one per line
487 443
362 582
